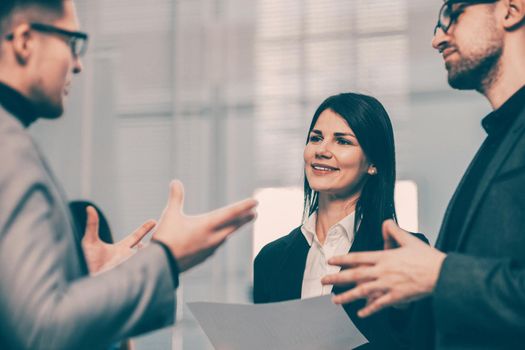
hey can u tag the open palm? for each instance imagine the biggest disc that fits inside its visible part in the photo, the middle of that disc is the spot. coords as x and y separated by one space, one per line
102 256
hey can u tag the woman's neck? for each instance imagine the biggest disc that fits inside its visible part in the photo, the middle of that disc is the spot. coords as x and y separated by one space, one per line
331 210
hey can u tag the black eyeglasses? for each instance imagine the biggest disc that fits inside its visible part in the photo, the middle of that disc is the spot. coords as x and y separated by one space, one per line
448 15
77 41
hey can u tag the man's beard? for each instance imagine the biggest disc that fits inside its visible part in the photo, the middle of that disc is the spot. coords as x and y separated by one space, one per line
478 71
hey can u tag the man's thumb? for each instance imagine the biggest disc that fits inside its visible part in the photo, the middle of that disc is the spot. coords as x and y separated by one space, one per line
394 236
92 222
176 198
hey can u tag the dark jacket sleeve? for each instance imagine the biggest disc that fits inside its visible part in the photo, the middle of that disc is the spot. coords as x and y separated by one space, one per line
482 291
476 294
260 294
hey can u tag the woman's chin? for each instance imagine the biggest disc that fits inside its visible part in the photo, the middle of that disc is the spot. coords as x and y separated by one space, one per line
322 190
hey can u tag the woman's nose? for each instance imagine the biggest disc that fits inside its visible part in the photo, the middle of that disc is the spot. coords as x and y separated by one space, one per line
323 151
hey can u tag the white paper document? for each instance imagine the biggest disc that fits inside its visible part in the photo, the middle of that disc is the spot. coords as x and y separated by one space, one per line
306 324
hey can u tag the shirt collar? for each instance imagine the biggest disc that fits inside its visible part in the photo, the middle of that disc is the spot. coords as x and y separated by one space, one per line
347 224
17 105
501 119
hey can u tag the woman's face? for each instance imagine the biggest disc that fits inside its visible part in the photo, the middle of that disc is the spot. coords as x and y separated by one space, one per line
334 161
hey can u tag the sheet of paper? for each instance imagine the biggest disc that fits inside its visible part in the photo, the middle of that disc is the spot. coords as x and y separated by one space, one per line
314 323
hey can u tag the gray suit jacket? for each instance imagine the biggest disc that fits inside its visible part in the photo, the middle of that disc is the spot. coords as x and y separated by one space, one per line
479 300
47 299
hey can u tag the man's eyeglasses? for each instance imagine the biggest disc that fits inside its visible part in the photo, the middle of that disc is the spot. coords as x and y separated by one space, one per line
77 41
448 15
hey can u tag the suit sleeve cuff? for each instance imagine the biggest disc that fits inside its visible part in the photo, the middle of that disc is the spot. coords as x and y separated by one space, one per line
174 267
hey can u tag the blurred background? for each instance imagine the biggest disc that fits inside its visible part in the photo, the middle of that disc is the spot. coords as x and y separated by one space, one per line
220 93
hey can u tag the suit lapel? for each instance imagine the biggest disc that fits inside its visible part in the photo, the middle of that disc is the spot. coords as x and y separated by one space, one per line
362 243
292 267
64 207
496 163
441 236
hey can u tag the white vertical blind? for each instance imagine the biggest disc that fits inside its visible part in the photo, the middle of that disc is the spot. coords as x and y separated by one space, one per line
279 19
381 15
327 17
134 16
383 64
143 146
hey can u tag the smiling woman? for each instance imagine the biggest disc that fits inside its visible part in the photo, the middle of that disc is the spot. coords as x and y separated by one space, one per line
334 161
358 140
349 166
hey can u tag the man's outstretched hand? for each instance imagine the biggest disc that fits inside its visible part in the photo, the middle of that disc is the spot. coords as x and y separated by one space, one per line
192 239
389 277
102 256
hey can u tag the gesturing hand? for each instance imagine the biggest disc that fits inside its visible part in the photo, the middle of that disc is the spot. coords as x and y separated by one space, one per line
388 277
194 238
102 256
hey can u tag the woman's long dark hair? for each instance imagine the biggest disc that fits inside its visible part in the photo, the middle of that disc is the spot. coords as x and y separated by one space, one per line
369 120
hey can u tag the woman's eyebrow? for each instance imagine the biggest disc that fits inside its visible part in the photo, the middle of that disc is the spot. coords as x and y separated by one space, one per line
343 134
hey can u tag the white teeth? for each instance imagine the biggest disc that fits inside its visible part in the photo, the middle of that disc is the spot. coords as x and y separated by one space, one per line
322 168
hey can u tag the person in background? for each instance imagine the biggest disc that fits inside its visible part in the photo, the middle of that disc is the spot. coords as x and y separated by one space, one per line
98 245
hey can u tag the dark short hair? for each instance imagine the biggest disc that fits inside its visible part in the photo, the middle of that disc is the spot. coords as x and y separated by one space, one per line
369 120
9 7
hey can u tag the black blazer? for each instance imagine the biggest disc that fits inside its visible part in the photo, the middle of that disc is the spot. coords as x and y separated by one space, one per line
278 276
479 300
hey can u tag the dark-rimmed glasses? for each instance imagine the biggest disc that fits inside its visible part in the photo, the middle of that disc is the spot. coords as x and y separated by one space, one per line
448 15
77 41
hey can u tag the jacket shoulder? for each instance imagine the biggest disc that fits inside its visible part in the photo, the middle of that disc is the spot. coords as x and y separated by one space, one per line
18 153
275 249
22 170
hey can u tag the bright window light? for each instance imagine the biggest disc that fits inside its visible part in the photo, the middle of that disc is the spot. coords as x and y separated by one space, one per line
280 211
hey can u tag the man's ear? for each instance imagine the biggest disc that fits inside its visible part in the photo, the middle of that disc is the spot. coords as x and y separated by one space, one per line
22 40
515 15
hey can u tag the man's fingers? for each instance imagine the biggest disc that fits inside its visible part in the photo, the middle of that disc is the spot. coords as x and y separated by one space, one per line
351 276
355 259
373 297
221 235
228 216
92 223
361 291
393 234
136 236
389 242
378 304
176 198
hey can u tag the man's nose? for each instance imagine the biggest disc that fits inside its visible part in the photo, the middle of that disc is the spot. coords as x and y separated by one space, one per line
77 66
439 38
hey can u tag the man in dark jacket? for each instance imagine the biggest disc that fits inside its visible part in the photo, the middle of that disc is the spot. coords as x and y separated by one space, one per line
472 286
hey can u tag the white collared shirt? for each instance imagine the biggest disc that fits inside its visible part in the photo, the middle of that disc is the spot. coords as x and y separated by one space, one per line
339 239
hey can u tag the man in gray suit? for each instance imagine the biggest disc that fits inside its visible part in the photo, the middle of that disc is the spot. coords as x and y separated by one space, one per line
472 287
47 298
